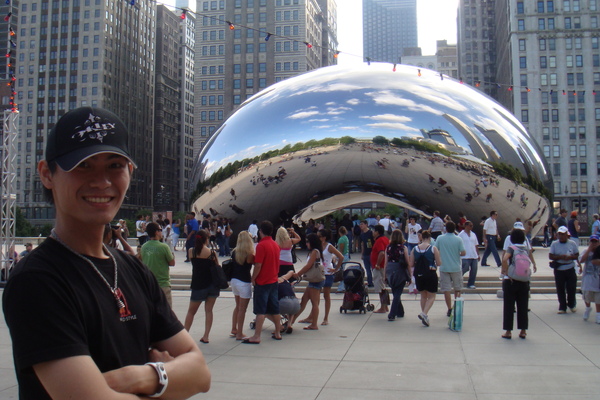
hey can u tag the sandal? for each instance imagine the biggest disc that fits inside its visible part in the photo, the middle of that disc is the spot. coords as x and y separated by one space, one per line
506 336
523 335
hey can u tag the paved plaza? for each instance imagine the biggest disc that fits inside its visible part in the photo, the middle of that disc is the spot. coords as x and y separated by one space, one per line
361 356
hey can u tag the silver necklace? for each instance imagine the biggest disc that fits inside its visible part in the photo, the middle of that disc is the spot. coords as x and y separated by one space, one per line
114 290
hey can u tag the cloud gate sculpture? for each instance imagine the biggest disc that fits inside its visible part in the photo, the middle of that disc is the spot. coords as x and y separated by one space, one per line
340 136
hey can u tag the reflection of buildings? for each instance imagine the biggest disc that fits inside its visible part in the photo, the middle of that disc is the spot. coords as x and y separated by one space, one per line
445 60
389 26
478 148
232 65
507 153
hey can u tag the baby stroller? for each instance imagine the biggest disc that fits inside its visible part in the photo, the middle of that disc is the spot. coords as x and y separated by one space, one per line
356 296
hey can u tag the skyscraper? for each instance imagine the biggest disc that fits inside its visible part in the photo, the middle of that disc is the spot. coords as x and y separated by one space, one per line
389 26
84 53
186 109
477 44
244 46
165 164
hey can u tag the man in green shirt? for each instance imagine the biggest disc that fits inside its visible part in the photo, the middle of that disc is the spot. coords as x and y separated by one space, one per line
158 257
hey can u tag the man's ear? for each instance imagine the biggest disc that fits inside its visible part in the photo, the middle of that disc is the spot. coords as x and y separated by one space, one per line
45 174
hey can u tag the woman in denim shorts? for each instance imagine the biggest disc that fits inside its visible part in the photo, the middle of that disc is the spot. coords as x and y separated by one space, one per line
313 289
202 286
241 286
328 251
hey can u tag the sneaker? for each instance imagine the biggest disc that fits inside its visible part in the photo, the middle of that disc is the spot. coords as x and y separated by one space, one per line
573 309
449 312
424 319
471 287
586 313
561 312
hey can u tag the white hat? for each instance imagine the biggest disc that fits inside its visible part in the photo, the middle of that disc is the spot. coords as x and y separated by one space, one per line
563 229
519 225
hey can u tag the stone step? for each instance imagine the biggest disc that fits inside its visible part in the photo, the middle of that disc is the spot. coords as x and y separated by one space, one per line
485 285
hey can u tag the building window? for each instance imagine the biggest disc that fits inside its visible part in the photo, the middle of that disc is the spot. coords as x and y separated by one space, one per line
572 150
543 62
520 25
573 169
550 6
524 115
540 7
555 151
542 44
541 24
523 62
551 24
520 7
582 151
567 22
522 45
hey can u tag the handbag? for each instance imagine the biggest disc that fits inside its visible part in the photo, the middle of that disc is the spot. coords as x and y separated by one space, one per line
228 268
218 275
316 273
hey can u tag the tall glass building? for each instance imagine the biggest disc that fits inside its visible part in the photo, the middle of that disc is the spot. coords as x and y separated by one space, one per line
389 26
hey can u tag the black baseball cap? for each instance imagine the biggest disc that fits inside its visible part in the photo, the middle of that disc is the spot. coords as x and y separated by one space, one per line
85 132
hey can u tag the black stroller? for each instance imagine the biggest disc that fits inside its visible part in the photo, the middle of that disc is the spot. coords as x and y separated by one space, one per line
356 296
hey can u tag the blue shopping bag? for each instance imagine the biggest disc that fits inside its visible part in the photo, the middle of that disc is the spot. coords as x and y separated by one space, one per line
456 316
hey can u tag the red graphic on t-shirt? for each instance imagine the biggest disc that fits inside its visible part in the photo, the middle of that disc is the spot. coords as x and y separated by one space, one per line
125 310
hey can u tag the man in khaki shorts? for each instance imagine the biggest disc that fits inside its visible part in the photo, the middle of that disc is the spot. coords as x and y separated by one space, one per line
451 248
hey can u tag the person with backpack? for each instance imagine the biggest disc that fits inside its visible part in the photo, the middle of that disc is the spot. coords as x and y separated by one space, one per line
516 272
424 261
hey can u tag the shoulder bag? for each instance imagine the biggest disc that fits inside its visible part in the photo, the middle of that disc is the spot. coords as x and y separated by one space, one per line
316 273
218 275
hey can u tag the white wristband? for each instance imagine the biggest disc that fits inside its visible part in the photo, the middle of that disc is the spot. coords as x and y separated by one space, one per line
163 379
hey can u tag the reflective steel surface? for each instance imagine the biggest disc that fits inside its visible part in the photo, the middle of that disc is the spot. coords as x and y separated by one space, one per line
338 136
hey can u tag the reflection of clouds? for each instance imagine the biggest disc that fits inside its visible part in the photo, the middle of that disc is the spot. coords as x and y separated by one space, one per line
337 110
304 113
391 125
353 102
391 121
389 117
387 98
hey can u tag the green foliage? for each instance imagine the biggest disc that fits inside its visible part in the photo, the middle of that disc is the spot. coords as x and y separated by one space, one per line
512 173
380 140
44 230
23 227
421 146
347 140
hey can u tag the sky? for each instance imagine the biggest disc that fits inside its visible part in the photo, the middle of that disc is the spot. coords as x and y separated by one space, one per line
436 20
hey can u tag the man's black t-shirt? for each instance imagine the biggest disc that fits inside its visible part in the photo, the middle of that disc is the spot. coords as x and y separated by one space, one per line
56 306
367 242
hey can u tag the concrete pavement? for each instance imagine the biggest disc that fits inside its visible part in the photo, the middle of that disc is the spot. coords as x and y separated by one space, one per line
365 356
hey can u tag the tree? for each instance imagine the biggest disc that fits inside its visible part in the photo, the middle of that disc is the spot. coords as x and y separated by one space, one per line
23 227
347 140
380 140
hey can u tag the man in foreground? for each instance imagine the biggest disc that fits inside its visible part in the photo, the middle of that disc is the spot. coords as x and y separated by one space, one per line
264 279
97 324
